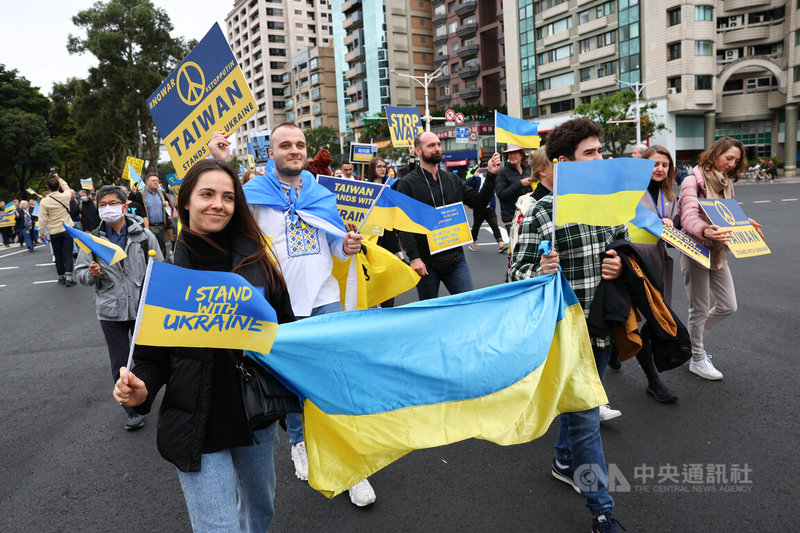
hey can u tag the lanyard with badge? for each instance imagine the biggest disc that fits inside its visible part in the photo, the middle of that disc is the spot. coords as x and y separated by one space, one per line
430 190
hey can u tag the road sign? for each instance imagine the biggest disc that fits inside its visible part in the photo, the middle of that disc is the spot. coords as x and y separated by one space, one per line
462 135
459 118
450 123
450 115
473 136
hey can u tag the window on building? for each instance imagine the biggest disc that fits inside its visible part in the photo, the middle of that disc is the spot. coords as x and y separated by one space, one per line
674 16
562 106
703 82
585 45
607 38
453 26
604 9
703 48
673 51
797 69
583 17
704 13
674 83
586 73
277 52
556 82
274 25
274 12
275 38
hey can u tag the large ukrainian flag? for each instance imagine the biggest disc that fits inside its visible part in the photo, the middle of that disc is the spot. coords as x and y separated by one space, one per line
604 192
104 249
516 131
395 210
380 383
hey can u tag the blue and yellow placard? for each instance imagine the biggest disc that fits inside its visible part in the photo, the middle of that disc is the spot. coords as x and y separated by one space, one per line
728 215
259 144
138 167
174 182
687 245
353 199
207 92
197 308
361 153
404 124
7 218
452 231
87 185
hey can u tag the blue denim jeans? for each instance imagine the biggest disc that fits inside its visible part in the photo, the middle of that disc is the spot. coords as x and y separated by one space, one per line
458 281
294 421
25 236
246 471
579 445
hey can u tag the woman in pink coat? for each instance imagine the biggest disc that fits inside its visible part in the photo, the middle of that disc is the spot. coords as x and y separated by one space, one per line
713 177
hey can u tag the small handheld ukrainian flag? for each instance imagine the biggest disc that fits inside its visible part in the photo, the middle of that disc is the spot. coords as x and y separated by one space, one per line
30 191
603 192
516 131
109 252
135 178
395 210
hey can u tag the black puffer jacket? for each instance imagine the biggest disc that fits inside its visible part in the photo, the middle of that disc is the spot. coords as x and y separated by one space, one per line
508 188
202 409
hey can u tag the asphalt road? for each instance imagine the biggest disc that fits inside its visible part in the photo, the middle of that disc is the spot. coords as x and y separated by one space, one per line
67 464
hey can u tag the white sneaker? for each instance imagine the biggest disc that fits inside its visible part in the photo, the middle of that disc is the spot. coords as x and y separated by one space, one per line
705 369
607 413
300 460
361 494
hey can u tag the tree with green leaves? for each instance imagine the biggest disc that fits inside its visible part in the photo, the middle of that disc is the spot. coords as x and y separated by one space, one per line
135 52
319 138
620 106
26 149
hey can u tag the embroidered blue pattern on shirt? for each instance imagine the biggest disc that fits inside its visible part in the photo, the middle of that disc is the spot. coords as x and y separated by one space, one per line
301 239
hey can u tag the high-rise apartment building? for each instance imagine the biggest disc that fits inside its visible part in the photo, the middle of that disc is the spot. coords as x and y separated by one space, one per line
469 46
263 35
714 68
310 95
373 39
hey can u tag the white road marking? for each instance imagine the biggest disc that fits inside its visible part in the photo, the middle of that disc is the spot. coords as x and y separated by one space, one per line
789 200
45 281
8 268
44 264
1 286
13 253
762 201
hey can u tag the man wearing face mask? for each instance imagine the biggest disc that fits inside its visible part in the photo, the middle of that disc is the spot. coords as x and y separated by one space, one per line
117 287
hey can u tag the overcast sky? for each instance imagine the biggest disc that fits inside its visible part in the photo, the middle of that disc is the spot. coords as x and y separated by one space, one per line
33 35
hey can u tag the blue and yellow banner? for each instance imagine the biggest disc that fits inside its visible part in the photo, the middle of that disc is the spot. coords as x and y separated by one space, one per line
207 92
197 308
409 383
104 249
395 210
361 154
729 216
138 167
516 131
602 192
452 230
87 185
405 123
688 246
353 199
174 182
7 218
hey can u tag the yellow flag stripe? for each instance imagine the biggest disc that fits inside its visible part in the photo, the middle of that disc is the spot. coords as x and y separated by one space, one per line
597 209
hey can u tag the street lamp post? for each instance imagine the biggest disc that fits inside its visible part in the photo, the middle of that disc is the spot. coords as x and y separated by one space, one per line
425 81
637 90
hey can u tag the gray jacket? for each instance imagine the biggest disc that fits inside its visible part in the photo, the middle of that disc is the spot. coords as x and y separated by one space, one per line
117 290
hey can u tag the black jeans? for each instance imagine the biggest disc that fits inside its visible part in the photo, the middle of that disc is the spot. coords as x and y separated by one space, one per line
62 250
118 339
481 214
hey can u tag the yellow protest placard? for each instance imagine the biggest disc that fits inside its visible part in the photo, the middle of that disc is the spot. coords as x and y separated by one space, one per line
452 231
729 216
404 124
138 166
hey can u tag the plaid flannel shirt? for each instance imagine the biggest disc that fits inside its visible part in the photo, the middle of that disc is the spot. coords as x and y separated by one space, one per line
580 248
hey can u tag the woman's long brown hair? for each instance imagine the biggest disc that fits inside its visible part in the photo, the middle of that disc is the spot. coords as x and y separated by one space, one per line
708 158
372 171
669 181
242 220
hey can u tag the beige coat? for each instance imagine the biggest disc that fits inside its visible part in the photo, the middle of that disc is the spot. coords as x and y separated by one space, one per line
51 212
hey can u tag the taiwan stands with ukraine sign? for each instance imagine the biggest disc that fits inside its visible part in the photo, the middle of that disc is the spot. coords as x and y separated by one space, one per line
206 93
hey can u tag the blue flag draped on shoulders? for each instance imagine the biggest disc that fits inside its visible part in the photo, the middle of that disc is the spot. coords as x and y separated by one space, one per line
395 210
104 249
315 205
421 376
203 309
603 192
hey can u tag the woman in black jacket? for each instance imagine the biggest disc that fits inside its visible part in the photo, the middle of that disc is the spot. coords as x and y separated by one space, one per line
226 471
513 180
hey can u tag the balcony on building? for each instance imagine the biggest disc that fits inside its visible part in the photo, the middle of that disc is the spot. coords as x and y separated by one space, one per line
501 61
439 19
746 34
316 93
503 83
358 71
733 5
439 40
469 71
444 58
289 104
473 93
349 5
501 39
357 105
444 79
468 52
443 100
466 7
467 30
437 3
500 16
355 55
354 21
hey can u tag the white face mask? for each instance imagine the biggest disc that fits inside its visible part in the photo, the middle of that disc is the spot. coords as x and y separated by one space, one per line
110 214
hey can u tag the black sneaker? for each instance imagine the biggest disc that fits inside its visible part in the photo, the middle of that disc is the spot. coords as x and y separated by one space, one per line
606 523
134 422
566 475
660 392
614 361
62 280
69 282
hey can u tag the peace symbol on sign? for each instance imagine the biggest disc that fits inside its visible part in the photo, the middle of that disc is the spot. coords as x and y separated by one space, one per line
725 213
191 83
